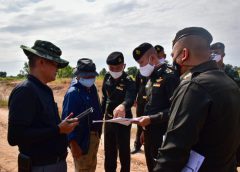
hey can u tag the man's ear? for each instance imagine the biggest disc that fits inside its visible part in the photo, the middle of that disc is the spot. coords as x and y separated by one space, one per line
185 54
164 55
223 55
40 61
154 59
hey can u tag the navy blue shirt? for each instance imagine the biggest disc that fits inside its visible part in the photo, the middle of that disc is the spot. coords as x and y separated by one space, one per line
34 119
77 99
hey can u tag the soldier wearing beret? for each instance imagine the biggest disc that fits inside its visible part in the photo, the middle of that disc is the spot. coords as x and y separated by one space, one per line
161 53
34 124
218 50
82 95
160 86
205 111
118 97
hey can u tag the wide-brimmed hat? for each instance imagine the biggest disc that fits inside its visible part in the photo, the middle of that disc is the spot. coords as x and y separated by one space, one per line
85 67
46 50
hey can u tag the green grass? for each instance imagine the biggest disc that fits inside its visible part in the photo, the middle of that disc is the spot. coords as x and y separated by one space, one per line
3 103
11 79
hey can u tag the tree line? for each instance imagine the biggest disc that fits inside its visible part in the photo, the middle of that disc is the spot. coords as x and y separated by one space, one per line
67 71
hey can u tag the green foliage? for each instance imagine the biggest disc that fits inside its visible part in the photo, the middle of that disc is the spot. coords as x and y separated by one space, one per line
100 77
65 72
24 71
11 78
103 72
3 102
3 74
132 71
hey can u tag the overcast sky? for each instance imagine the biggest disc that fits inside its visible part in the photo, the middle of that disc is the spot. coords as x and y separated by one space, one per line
95 28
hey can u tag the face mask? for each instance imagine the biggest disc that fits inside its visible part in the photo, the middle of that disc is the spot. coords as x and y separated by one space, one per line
146 70
162 60
115 75
216 57
177 69
87 82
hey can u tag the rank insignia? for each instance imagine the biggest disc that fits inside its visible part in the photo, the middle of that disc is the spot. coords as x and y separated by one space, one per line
156 85
138 52
119 88
160 79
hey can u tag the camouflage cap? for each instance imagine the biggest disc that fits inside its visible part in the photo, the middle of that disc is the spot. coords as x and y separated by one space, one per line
46 50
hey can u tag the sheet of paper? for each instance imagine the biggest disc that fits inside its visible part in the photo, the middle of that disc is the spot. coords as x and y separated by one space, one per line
123 121
194 162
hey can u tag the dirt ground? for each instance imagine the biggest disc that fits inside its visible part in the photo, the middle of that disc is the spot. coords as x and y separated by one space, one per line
8 154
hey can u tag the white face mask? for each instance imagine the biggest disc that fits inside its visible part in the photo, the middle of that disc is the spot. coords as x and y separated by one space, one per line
162 60
216 57
146 70
115 75
87 82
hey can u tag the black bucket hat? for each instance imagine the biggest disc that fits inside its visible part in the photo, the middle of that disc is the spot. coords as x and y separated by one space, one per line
46 50
85 67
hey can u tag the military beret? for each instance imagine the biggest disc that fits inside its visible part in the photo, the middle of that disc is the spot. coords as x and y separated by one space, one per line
139 51
115 58
189 31
85 67
217 45
159 48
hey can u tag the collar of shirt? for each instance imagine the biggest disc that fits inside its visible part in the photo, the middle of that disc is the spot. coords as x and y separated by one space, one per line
203 67
158 71
39 83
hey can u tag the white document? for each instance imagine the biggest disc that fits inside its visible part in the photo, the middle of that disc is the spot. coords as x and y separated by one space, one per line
119 120
194 162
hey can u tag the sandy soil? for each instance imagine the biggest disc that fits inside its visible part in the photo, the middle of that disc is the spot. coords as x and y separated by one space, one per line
8 154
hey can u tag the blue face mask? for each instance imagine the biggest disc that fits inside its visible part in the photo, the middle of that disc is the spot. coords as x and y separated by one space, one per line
87 82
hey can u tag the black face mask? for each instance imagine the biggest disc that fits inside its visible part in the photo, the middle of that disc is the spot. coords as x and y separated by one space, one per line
177 69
